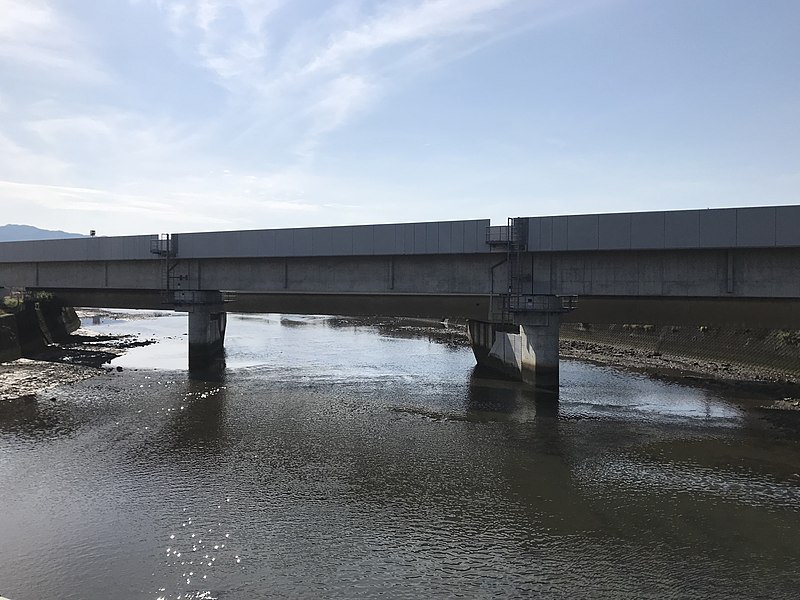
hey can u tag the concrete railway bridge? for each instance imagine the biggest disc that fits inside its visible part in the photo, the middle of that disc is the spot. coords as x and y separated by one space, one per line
514 283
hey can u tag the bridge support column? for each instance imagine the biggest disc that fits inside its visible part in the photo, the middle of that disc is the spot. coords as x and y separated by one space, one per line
526 351
206 337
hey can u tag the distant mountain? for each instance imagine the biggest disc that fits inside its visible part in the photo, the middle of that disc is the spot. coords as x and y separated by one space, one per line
17 233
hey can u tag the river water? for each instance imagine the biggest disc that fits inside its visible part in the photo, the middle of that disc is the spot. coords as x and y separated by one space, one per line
341 461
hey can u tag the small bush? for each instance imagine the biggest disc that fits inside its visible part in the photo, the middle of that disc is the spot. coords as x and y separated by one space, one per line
11 303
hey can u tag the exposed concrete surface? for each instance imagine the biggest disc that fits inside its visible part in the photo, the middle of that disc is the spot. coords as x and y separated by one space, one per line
525 352
206 337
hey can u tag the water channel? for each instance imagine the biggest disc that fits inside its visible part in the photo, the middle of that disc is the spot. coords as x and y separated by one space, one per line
346 461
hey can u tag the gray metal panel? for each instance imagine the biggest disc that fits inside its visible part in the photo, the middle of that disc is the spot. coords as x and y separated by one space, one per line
342 241
186 243
405 238
283 242
119 248
582 232
787 226
46 248
718 228
98 248
190 245
301 242
682 229
23 251
614 232
481 236
755 227
473 232
560 233
268 243
62 250
112 246
431 238
419 238
384 236
234 243
457 236
237 243
126 247
534 234
81 249
546 233
443 235
322 241
647 230
363 240
222 244
132 247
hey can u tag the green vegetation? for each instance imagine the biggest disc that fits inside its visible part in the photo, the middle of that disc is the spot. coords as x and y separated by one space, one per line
41 296
10 304
16 301
636 326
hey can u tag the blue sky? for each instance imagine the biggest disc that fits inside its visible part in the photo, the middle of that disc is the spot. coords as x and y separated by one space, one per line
138 116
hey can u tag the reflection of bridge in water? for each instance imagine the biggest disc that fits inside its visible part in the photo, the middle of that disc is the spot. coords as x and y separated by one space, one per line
515 283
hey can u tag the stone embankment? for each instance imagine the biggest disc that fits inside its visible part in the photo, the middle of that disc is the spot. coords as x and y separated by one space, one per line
735 354
32 327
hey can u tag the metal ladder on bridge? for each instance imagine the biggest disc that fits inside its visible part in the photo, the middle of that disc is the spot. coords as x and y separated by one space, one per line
171 282
517 242
165 248
514 299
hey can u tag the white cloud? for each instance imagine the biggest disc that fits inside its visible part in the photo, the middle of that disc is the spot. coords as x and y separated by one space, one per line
75 152
322 72
403 24
24 163
33 35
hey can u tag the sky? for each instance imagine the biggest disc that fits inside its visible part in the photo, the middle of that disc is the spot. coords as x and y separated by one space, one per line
147 116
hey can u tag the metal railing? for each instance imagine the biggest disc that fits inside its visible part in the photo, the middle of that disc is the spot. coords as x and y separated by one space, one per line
498 234
505 306
163 245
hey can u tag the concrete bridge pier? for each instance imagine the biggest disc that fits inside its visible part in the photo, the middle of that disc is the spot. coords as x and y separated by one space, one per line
207 321
525 350
206 337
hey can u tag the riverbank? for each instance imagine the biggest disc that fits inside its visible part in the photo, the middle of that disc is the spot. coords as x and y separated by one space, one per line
86 354
82 355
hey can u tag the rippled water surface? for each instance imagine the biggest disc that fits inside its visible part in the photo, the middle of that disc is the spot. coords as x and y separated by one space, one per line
340 461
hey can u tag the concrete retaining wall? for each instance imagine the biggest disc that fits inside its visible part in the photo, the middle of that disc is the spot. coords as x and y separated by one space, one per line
28 332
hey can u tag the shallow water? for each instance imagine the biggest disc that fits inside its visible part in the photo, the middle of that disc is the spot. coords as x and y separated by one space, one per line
339 461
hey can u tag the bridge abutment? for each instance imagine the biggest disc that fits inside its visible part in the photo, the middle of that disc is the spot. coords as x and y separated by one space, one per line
525 351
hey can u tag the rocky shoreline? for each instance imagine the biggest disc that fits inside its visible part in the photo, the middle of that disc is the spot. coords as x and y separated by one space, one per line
761 390
82 355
